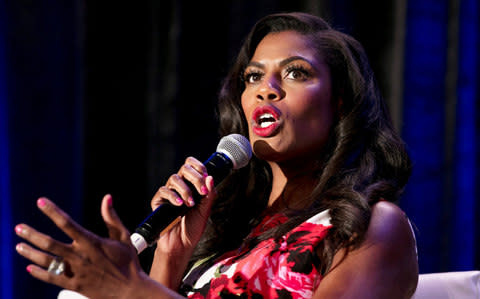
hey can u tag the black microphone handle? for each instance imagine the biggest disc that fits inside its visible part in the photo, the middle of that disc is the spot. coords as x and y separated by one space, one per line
218 166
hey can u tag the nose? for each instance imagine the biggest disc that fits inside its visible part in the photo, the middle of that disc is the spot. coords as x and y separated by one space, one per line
269 90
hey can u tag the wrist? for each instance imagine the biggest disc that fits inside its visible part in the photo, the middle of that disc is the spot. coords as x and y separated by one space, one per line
168 268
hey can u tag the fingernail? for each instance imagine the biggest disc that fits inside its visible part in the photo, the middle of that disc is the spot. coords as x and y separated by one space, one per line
19 229
204 190
19 247
191 202
41 202
178 200
110 200
29 269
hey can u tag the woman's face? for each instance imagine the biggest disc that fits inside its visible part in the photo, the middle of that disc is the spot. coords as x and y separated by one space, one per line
287 99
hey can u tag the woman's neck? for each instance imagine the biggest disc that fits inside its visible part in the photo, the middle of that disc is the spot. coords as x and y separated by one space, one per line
291 186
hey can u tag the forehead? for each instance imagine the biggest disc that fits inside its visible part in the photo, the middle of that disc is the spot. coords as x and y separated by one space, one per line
278 45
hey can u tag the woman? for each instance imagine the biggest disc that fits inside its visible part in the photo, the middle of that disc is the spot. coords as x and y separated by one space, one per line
310 216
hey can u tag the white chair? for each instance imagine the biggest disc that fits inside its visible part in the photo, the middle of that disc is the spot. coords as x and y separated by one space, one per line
448 285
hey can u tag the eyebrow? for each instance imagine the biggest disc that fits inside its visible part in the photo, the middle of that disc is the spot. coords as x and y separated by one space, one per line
282 63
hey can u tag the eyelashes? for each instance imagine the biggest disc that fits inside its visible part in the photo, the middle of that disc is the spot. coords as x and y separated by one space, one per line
252 76
294 72
298 72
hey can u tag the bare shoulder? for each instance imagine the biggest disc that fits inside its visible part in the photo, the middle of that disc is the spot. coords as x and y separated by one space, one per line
383 266
391 233
389 223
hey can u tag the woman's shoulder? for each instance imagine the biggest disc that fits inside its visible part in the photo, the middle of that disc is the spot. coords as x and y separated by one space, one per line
384 206
384 265
389 223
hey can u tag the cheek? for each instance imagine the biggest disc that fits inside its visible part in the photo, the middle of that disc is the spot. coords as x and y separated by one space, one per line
247 107
316 112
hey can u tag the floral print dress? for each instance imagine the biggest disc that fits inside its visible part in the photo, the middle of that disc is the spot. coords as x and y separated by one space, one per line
284 268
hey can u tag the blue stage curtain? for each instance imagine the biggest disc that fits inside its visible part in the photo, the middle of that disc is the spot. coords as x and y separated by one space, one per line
424 118
464 239
440 111
40 128
6 243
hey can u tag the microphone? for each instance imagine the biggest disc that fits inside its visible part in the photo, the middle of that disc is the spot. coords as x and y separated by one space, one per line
233 152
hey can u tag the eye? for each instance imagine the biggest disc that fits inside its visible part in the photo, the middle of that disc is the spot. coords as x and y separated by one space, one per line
298 73
252 76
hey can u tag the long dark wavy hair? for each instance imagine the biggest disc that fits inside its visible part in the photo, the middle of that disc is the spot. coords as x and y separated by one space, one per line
364 161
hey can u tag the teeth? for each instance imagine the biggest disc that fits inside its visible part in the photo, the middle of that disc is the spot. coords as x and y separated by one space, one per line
264 116
266 124
266 120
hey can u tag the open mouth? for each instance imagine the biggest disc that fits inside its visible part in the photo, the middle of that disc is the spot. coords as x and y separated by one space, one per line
266 119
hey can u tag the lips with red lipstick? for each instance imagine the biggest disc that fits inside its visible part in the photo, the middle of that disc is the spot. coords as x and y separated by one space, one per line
266 120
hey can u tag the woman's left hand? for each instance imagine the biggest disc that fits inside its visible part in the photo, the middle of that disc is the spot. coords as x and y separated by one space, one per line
92 265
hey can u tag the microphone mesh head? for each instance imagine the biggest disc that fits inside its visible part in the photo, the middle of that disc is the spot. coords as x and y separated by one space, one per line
237 148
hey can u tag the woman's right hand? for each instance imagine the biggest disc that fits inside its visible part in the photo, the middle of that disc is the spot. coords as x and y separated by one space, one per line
175 245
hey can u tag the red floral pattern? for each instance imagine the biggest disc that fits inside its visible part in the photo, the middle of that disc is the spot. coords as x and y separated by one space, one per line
273 269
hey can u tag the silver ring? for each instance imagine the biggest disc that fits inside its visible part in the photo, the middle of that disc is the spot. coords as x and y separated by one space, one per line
57 266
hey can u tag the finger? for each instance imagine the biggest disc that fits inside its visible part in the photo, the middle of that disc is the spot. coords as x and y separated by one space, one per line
62 220
177 184
197 165
36 256
206 203
165 194
196 178
212 192
42 241
116 229
43 275
210 185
